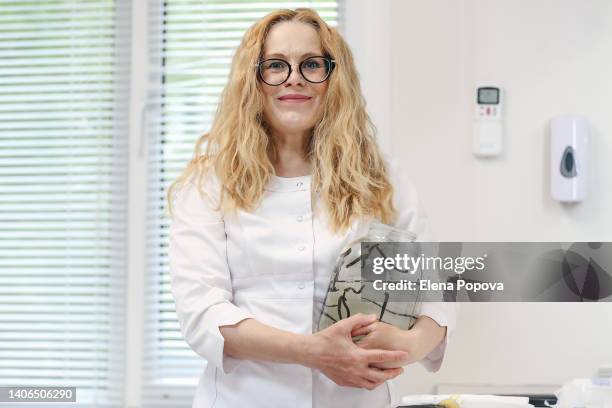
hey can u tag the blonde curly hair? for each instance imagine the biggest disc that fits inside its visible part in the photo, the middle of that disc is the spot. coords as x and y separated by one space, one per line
348 170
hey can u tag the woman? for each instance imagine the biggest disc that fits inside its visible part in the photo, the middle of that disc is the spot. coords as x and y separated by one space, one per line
289 173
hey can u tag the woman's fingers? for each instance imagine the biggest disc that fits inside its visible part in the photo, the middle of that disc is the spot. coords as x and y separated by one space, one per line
375 377
360 331
358 321
368 378
379 376
369 385
382 356
347 363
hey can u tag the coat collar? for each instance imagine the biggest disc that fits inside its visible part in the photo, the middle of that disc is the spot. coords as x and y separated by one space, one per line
289 184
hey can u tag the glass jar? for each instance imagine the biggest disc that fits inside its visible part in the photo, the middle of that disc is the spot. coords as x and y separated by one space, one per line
344 297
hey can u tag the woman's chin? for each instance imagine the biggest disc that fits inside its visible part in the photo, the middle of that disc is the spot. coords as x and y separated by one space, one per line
295 127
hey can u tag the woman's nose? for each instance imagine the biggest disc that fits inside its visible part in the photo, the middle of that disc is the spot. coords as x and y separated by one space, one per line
295 77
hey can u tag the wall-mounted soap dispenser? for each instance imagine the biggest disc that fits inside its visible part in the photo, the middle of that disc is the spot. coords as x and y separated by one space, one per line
568 158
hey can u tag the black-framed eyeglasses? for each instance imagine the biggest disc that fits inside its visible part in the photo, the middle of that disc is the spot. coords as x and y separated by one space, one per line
276 71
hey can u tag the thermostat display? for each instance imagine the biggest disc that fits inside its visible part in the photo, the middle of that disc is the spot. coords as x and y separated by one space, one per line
488 96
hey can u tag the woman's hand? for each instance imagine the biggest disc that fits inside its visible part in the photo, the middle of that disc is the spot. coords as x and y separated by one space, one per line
417 342
333 352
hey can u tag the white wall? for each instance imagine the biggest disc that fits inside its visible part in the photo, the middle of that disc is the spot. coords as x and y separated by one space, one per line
552 57
367 30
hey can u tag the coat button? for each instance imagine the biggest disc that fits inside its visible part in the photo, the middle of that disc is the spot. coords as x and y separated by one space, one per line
300 218
301 248
301 285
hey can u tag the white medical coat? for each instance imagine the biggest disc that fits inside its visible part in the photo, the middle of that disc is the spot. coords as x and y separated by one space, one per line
273 265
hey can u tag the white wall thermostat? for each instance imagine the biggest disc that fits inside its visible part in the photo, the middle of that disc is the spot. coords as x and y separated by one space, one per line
488 121
569 141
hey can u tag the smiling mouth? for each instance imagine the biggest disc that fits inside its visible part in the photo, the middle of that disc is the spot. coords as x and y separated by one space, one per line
294 98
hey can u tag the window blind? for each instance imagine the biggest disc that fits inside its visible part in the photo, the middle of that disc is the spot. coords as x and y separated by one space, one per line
192 42
62 197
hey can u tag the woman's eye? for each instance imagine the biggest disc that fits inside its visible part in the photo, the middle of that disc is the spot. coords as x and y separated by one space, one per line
275 65
312 65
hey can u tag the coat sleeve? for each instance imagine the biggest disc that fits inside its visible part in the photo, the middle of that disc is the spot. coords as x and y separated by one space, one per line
412 217
199 274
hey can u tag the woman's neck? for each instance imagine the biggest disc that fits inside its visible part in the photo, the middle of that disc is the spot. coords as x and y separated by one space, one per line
291 166
290 158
